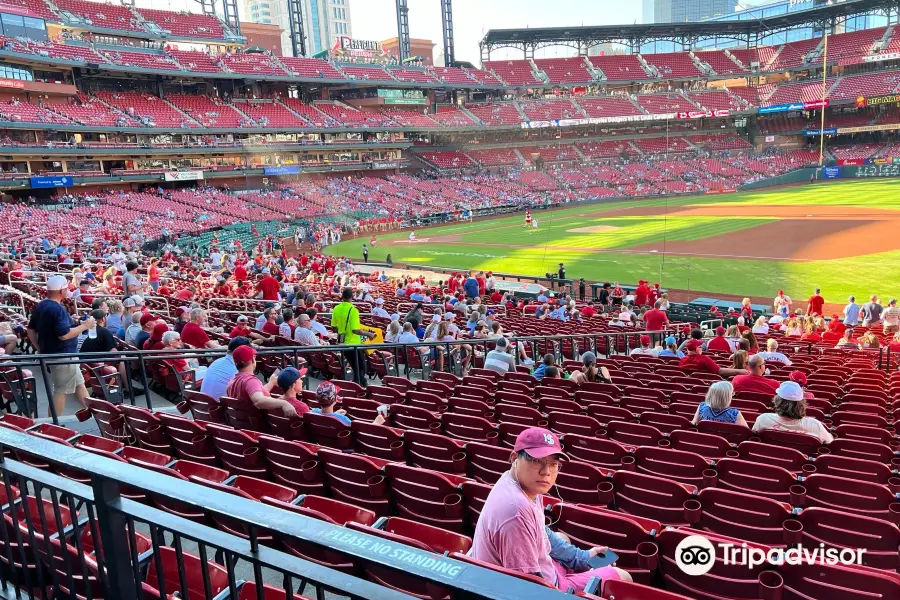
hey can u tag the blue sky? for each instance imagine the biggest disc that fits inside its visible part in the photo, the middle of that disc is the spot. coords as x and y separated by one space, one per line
377 20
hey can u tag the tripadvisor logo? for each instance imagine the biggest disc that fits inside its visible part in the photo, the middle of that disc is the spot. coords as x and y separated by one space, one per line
696 555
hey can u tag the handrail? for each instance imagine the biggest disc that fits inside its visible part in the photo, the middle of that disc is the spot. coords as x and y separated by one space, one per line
112 511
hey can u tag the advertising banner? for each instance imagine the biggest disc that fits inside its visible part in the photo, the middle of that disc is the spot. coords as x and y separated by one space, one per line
831 172
877 100
183 175
52 181
283 170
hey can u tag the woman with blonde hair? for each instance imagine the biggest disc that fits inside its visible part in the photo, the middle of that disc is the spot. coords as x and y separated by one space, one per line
793 328
810 333
746 310
733 336
761 326
869 341
393 332
717 406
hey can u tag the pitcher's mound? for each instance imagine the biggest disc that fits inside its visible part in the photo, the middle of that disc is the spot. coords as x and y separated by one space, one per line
593 229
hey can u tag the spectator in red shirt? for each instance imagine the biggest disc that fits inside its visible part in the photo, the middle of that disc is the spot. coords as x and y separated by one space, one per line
193 332
641 293
719 343
268 286
655 319
810 334
755 380
589 310
247 386
153 274
187 294
240 272
242 329
270 327
496 297
816 304
695 360
154 342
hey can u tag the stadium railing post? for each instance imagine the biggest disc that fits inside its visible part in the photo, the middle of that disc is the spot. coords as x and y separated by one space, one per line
119 572
45 374
144 381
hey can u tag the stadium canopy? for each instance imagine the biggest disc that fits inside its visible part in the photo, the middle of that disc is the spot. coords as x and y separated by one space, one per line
748 30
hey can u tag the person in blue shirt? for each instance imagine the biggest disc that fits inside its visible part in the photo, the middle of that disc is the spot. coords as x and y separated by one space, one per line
222 370
671 348
560 314
51 331
326 396
851 312
471 286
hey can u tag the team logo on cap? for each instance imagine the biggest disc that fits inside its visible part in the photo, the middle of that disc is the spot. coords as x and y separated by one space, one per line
548 439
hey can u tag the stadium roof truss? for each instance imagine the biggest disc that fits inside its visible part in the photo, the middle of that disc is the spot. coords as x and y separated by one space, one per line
687 34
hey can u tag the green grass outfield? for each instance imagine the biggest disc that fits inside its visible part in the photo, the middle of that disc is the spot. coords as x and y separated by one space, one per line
492 244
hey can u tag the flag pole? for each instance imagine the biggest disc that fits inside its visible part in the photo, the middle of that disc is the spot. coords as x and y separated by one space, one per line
824 88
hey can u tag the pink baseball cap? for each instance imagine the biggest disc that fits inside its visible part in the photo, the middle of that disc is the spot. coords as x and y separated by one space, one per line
538 443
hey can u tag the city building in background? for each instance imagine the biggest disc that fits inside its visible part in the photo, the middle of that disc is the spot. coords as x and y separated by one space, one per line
264 35
421 51
782 7
680 11
324 21
674 11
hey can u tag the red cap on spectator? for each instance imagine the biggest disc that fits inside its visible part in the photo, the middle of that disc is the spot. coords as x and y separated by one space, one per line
146 318
694 344
720 330
243 355
645 340
538 442
798 377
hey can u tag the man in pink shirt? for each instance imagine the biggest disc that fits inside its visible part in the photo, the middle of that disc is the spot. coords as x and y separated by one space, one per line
511 532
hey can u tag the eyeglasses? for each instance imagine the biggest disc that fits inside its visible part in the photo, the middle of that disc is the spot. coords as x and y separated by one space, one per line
552 465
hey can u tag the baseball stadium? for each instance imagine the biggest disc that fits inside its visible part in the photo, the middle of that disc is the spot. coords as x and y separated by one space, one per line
297 303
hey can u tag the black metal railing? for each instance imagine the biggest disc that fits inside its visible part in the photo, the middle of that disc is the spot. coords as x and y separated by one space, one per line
24 389
73 528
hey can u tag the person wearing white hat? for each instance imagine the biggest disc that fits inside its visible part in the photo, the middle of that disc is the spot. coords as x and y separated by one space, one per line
790 414
51 331
379 311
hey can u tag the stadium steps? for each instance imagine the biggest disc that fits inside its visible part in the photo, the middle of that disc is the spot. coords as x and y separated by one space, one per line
816 53
704 68
522 114
538 74
772 59
581 112
736 61
595 72
637 151
742 101
298 115
884 41
520 155
188 117
689 99
469 114
649 69
643 111
584 159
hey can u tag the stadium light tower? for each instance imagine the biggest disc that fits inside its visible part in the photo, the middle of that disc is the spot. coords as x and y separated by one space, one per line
229 12
403 41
